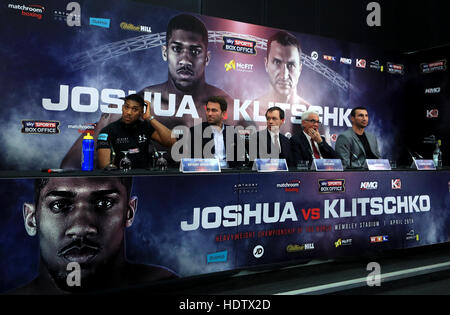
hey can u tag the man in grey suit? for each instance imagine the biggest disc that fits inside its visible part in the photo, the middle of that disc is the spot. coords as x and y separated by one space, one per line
356 145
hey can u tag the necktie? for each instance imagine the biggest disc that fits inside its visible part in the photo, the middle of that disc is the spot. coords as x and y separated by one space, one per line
277 143
315 151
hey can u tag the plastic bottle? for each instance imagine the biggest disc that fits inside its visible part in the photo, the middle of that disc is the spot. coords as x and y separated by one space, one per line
437 155
87 158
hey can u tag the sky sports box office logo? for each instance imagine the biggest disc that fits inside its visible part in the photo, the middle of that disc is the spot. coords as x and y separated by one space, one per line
239 45
430 67
40 126
331 186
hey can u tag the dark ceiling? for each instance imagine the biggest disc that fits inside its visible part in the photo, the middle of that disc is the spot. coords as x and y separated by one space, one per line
405 25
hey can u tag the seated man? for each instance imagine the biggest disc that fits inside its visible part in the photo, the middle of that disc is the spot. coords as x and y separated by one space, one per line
355 145
270 139
309 144
215 136
132 133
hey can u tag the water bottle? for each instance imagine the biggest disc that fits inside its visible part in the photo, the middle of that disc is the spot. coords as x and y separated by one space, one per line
437 155
87 158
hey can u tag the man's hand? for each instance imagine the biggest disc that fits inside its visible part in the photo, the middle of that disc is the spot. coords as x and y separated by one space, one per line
315 135
146 115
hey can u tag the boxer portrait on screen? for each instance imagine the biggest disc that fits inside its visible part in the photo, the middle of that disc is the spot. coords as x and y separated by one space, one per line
283 66
81 222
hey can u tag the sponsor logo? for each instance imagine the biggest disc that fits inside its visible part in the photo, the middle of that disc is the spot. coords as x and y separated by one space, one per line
135 28
346 61
437 66
412 236
379 239
238 66
393 68
292 248
31 10
83 128
368 186
40 126
314 55
329 58
239 45
258 251
292 186
432 113
376 65
217 257
343 242
396 183
331 186
103 137
99 22
245 188
142 138
361 63
122 140
435 90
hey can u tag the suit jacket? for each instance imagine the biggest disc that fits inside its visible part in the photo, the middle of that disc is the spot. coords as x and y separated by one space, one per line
231 152
351 149
302 151
264 135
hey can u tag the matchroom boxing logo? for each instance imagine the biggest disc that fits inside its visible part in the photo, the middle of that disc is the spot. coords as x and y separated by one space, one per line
31 10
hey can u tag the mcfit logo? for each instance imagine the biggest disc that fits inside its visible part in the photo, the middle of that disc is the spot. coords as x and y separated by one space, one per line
242 67
230 66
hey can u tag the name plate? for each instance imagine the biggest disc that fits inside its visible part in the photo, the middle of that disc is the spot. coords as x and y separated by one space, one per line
270 165
200 166
327 165
378 165
424 165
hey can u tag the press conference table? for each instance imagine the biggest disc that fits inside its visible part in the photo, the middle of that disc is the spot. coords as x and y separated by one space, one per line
206 223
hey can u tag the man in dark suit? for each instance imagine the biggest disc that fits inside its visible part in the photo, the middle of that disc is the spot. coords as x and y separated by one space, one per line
270 142
309 144
218 140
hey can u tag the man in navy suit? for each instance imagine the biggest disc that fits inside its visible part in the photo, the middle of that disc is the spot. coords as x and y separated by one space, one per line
270 142
218 140
309 144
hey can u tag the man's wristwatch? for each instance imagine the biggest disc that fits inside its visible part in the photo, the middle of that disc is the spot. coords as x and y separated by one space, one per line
151 118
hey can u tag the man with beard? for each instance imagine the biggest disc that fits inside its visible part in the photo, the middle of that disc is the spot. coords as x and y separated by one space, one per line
356 145
217 140
81 222
187 55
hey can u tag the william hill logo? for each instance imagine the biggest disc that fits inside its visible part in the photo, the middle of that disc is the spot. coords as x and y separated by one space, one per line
238 66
